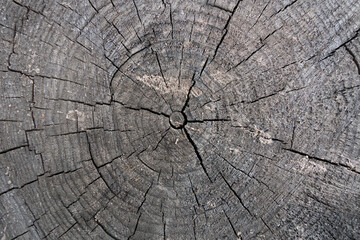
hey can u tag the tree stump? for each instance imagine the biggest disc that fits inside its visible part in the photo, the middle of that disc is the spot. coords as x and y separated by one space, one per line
204 119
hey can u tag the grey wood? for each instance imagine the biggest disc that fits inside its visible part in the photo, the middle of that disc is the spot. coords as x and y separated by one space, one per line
203 119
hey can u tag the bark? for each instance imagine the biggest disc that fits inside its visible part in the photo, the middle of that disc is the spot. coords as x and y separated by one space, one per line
172 119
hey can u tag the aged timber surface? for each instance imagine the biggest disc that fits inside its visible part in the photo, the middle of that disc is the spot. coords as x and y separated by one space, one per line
179 119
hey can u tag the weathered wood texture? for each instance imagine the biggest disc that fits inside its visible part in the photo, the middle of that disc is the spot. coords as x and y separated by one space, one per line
174 119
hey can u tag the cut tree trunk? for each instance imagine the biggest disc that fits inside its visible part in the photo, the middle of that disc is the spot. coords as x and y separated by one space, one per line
174 119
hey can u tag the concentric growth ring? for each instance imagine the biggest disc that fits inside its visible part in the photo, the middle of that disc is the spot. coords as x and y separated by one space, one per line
176 119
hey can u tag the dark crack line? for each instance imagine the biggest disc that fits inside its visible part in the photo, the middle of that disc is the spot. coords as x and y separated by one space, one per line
13 44
49 232
258 99
231 224
218 7
160 68
136 226
262 40
259 16
10 120
118 31
73 225
226 29
171 22
203 68
92 5
192 29
236 195
144 198
353 57
210 101
107 231
188 93
323 160
118 69
70 100
164 6
164 223
193 191
111 161
257 133
197 153
82 194
137 13
293 134
313 197
62 172
192 85
162 138
137 34
267 226
264 97
135 82
209 120
341 45
284 8
97 167
66 134
246 59
152 169
20 235
194 228
246 173
43 76
112 3
221 41
180 68
232 14
20 187
102 208
141 109
14 148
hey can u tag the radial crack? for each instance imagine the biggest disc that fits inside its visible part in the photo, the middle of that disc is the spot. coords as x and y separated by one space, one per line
260 15
188 93
162 138
192 85
137 13
247 173
193 191
247 58
161 71
342 45
197 153
144 198
92 5
236 194
226 28
231 224
141 109
181 61
210 120
284 8
322 160
267 226
171 22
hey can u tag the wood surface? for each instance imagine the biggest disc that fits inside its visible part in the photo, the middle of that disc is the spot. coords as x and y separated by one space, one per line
179 119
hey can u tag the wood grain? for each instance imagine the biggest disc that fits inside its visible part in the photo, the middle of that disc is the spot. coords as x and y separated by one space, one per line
203 119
